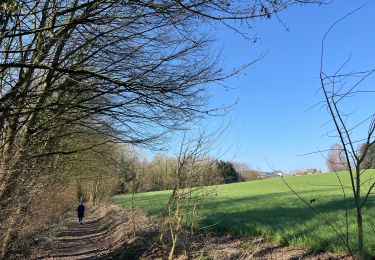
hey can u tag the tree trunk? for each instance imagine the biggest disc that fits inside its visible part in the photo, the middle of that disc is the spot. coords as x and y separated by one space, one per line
6 237
361 251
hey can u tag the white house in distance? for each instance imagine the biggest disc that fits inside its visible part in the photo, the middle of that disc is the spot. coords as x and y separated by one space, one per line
278 173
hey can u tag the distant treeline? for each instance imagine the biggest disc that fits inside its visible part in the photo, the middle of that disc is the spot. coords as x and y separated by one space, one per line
138 175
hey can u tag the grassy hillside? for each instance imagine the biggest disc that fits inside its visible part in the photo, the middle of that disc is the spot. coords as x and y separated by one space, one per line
268 207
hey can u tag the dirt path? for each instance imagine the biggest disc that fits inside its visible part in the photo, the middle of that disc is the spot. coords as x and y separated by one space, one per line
86 241
108 235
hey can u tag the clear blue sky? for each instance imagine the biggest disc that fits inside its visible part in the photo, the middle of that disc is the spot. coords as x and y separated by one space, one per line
269 122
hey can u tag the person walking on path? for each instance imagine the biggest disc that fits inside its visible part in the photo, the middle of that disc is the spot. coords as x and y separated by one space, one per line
81 212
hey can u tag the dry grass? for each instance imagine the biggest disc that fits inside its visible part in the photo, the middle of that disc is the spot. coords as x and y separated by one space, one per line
44 210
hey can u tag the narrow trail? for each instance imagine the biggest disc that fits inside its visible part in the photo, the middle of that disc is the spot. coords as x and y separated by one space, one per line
86 241
109 235
106 233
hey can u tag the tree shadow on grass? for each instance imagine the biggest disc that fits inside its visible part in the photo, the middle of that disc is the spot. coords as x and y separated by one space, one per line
280 216
293 224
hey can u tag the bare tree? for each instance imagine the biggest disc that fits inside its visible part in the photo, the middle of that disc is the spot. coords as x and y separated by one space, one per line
351 152
338 87
187 192
336 160
127 71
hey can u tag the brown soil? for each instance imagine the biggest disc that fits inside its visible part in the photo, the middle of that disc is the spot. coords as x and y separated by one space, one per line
105 234
109 234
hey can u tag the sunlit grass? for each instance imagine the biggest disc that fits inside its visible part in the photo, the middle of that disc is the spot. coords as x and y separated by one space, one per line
268 207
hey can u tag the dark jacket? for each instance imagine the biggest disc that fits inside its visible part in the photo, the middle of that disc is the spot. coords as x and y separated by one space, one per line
81 211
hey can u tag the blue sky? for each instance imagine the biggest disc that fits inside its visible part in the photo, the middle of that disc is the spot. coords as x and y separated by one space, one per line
269 123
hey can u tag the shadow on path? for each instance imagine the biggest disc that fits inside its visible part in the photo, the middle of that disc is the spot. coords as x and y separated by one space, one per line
86 241
104 235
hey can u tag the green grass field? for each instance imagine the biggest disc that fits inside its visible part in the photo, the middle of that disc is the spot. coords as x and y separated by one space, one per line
268 207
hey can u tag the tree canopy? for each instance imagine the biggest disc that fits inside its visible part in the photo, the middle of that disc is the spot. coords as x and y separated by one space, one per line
102 72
